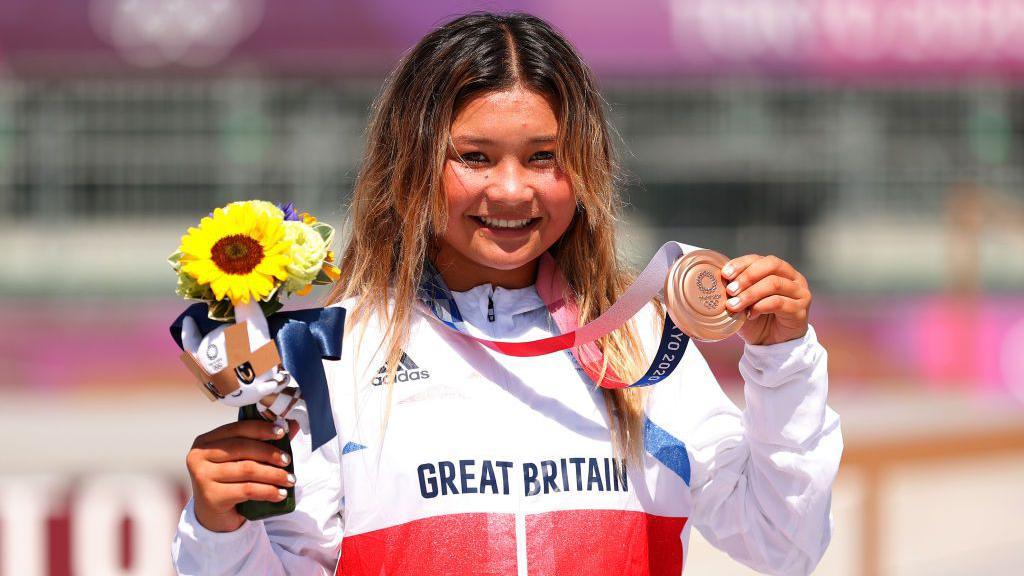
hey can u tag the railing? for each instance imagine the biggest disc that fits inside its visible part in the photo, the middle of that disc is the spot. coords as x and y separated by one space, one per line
876 460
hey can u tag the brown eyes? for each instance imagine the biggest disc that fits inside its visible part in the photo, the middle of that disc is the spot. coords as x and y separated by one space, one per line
473 158
478 158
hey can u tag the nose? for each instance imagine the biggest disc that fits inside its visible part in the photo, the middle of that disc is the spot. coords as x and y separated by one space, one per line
512 183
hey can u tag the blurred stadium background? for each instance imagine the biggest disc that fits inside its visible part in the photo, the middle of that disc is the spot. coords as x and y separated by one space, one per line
877 144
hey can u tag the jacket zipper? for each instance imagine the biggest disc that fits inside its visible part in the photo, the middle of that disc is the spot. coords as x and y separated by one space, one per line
490 308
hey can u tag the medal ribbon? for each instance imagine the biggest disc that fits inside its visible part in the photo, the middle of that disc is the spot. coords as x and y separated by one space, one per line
554 291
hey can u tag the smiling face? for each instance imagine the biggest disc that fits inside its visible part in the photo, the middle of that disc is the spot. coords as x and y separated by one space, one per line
508 200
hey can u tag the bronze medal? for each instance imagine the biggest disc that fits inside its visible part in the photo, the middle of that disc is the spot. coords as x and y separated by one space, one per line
695 296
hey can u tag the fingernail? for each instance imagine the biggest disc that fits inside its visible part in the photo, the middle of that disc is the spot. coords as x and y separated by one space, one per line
278 431
291 478
733 287
285 458
733 302
727 270
282 492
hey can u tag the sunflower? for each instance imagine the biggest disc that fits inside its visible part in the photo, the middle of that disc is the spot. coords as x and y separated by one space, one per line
240 252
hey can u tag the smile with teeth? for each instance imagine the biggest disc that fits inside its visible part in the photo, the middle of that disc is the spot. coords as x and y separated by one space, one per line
503 223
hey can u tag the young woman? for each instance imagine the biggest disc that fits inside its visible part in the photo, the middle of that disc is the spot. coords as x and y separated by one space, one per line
488 149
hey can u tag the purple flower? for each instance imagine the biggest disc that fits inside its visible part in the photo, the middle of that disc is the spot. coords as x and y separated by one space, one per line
289 211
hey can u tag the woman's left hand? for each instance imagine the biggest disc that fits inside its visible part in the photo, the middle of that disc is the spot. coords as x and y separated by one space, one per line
774 293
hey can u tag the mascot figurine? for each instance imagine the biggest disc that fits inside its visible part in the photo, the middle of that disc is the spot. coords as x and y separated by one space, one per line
242 350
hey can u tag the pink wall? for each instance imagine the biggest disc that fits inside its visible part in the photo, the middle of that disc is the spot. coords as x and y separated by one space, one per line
927 340
822 38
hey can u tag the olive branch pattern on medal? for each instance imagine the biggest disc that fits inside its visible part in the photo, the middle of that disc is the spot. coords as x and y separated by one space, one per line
709 295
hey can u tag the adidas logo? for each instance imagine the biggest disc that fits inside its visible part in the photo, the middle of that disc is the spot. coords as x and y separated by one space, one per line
407 370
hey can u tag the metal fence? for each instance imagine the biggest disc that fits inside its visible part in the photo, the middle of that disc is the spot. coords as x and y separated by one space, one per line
742 165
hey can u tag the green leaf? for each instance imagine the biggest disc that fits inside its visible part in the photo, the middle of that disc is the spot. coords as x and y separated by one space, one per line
222 310
322 278
271 307
188 288
326 231
175 260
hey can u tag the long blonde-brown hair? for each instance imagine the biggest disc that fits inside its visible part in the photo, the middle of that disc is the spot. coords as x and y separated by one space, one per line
398 209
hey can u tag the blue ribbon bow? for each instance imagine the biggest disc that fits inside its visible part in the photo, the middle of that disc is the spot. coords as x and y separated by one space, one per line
304 338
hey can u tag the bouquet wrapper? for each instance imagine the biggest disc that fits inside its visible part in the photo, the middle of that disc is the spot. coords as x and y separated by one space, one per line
304 338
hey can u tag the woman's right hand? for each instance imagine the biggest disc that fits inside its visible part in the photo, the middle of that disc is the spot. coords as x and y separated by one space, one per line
232 464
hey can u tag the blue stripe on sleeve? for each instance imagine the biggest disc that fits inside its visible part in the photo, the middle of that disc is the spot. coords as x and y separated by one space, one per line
667 449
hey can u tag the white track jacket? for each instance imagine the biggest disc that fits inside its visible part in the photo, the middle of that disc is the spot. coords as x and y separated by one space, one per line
497 465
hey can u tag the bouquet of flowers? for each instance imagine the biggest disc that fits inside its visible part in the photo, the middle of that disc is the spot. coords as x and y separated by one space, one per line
253 251
244 352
